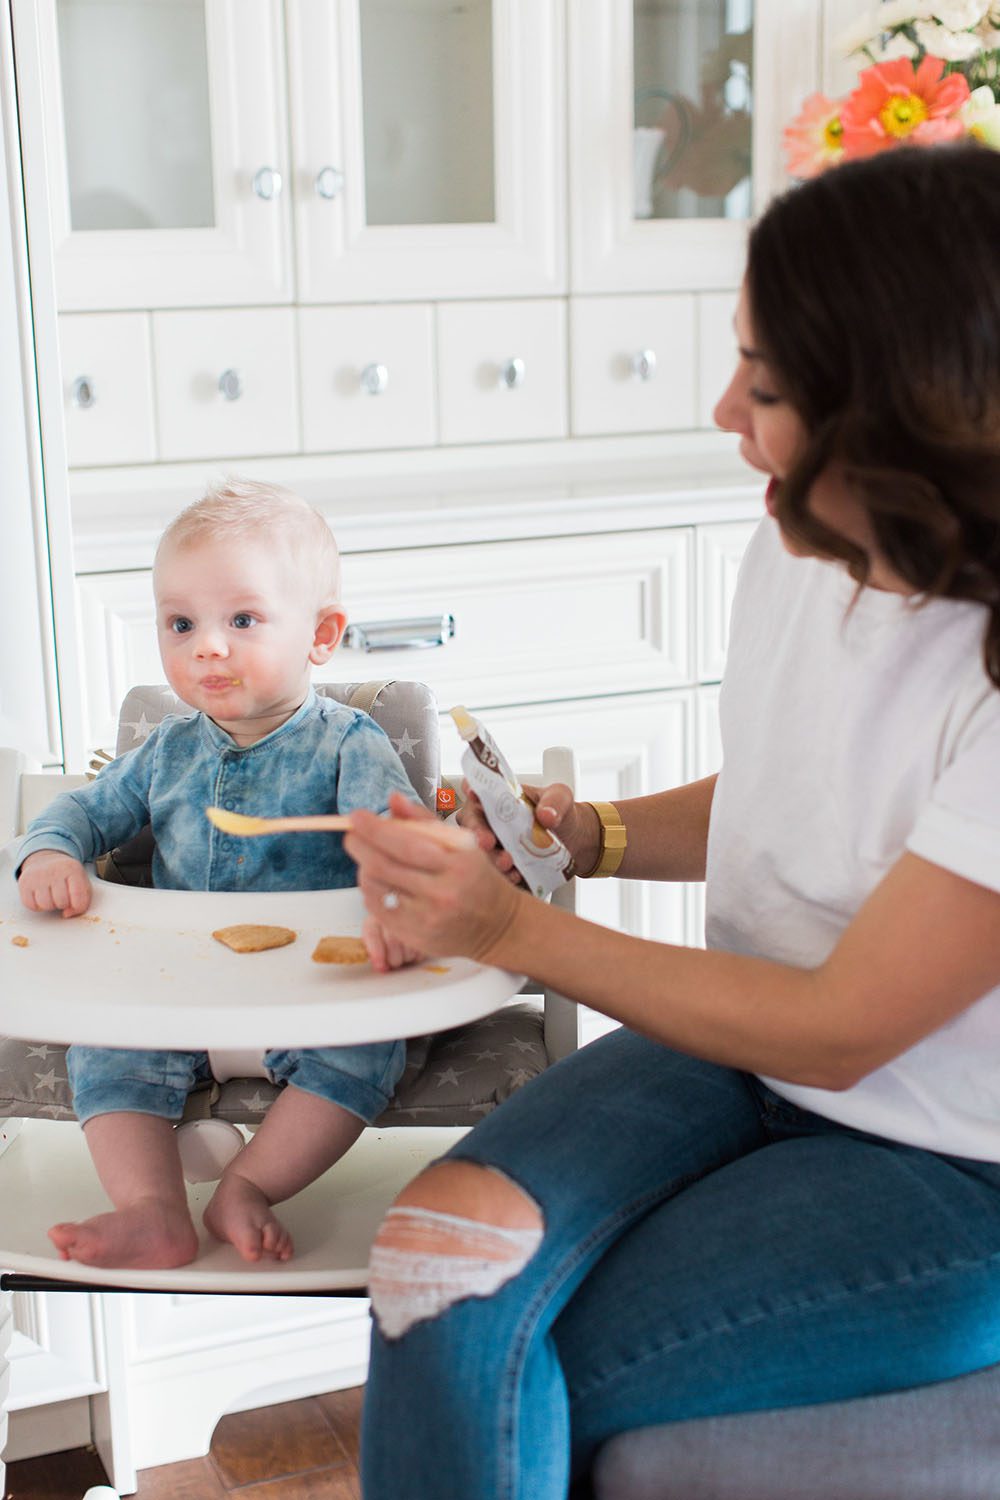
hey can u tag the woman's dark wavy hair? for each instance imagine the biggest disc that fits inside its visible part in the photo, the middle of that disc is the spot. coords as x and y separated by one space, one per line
874 293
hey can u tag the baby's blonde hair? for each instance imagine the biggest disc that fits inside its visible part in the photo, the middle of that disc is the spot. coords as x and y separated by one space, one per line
238 509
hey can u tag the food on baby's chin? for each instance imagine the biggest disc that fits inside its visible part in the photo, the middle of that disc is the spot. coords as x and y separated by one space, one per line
340 950
19 941
253 937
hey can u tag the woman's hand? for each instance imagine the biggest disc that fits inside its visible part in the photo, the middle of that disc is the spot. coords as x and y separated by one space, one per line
444 898
53 881
575 823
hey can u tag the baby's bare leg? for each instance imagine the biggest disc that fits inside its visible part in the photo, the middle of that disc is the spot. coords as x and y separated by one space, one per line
139 1167
301 1136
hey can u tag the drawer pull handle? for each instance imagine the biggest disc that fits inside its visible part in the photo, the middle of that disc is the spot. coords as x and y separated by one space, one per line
375 379
512 373
644 364
329 182
82 392
230 385
400 635
266 183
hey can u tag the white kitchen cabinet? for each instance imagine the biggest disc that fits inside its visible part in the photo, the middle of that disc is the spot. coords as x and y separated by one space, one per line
632 361
428 148
367 377
226 382
676 109
107 388
163 130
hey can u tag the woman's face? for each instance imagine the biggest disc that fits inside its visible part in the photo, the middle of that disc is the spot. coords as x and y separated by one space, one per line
773 435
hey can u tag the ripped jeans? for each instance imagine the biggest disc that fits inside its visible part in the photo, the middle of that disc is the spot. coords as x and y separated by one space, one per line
708 1248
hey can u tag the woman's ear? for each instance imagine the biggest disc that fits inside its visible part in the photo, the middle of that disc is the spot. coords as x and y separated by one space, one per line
329 630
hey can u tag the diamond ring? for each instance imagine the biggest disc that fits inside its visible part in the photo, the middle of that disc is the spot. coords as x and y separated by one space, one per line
390 900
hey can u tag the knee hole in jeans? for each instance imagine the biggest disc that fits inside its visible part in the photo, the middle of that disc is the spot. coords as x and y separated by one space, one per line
457 1231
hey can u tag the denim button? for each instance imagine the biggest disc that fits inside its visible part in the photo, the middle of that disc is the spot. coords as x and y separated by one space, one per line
229 806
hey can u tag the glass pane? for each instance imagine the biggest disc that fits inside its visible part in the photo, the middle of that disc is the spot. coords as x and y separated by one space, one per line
136 113
427 77
693 108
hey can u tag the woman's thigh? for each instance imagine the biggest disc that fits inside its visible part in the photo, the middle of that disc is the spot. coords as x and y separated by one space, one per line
613 1127
816 1269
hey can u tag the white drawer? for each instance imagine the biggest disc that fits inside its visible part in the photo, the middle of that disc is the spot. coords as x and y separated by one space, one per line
226 382
536 620
717 349
107 388
502 371
633 363
367 377
720 552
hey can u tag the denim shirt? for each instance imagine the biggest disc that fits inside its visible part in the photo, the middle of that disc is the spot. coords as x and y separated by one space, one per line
325 758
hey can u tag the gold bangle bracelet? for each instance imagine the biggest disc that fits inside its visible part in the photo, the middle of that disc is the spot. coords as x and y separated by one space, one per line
614 838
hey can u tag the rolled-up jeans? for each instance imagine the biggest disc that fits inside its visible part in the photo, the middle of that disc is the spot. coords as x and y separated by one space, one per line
708 1248
107 1080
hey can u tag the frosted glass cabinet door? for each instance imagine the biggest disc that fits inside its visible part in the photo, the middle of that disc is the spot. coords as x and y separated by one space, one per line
428 147
676 109
163 129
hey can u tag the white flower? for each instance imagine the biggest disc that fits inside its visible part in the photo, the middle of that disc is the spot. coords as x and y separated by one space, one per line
869 27
959 15
953 46
980 114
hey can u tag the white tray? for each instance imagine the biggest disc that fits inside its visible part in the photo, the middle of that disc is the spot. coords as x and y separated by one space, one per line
141 969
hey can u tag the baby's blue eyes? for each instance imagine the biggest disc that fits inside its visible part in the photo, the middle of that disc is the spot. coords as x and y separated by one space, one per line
243 621
180 626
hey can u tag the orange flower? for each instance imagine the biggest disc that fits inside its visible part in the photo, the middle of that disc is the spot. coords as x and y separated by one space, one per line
815 139
896 104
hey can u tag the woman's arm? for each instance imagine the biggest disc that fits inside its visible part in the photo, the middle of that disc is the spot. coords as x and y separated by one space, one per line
925 946
667 832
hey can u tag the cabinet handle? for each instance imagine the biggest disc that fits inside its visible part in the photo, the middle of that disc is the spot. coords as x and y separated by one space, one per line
266 183
643 364
329 182
230 385
375 379
82 391
400 635
512 373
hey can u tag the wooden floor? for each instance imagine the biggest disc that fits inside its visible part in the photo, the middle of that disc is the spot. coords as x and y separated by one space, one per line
301 1450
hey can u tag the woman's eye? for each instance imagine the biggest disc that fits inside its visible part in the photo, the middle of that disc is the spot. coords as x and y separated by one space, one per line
763 398
181 625
243 621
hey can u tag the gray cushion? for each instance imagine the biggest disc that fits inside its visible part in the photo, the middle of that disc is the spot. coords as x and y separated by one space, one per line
936 1442
453 1078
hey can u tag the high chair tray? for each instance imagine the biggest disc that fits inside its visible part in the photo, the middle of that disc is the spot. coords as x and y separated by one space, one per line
141 969
46 1175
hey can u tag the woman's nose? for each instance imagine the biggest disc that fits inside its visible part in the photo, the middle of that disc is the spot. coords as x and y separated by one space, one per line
730 412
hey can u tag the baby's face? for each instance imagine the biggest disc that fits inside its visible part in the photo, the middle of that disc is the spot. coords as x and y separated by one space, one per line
235 633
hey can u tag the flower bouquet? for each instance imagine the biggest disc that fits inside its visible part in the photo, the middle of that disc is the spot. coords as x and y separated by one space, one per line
934 76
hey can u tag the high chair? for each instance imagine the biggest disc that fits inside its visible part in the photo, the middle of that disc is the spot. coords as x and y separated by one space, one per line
486 1042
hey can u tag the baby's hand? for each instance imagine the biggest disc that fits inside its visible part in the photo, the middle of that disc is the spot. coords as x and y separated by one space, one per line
52 881
387 952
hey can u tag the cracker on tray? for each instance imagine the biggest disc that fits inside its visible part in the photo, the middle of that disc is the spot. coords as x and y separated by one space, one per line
340 950
253 937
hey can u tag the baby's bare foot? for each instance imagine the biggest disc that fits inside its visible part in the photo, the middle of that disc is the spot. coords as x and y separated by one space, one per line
148 1235
240 1213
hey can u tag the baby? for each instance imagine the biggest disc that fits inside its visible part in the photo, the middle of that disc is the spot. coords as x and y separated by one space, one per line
247 588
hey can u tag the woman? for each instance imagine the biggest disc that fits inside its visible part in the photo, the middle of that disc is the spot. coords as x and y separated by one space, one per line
779 1183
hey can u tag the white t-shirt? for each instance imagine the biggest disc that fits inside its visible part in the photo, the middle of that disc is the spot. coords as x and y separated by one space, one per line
848 739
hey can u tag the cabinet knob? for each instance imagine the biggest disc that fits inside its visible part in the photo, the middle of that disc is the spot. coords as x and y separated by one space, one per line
266 183
230 385
643 364
329 182
82 392
512 373
375 379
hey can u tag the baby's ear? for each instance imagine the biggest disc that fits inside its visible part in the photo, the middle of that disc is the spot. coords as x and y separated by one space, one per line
329 630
